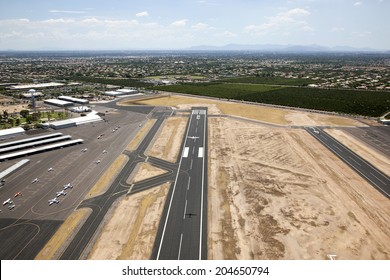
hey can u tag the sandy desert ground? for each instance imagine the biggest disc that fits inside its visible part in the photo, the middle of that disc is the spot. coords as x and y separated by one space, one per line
274 191
279 194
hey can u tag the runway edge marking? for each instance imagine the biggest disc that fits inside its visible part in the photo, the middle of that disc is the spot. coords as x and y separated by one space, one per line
173 192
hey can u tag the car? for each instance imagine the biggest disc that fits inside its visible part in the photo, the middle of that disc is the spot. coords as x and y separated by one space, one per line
104 152
97 162
18 194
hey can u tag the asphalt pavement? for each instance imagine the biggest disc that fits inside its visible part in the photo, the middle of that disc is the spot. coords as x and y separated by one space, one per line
366 170
182 234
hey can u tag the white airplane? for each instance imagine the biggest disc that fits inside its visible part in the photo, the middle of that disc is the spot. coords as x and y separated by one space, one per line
34 181
316 131
61 193
193 137
8 201
68 186
54 200
50 169
84 150
12 206
198 117
104 152
97 162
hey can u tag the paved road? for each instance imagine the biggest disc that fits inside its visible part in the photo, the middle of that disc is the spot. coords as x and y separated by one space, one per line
183 228
101 204
375 177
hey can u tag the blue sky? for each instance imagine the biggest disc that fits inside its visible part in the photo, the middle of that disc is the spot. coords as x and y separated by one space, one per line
173 24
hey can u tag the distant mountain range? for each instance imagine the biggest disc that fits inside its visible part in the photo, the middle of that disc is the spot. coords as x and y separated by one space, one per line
283 48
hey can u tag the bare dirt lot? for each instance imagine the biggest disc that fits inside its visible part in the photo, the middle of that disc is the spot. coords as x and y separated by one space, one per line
256 112
277 193
145 171
167 144
131 231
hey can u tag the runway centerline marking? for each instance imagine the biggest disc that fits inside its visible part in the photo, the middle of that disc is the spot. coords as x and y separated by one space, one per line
188 186
185 210
181 240
355 161
377 178
192 161
173 193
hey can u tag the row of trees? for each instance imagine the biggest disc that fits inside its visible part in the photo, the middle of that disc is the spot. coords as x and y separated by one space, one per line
27 118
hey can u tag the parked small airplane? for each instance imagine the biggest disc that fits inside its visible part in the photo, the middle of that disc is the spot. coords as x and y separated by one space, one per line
68 186
50 169
104 152
8 201
18 194
34 181
97 162
84 150
61 193
12 206
54 200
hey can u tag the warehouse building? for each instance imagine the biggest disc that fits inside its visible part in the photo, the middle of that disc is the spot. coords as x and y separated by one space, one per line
74 100
58 103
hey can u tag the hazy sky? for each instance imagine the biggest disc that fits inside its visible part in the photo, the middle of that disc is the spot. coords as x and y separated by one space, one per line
174 24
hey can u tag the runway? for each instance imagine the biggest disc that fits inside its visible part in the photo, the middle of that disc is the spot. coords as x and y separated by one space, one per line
371 174
183 229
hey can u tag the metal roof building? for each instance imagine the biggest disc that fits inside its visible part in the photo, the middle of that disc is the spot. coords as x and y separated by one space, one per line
7 133
75 122
42 85
34 144
40 149
74 100
31 139
58 103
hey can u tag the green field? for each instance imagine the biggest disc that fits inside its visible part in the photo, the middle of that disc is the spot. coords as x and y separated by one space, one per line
355 102
270 81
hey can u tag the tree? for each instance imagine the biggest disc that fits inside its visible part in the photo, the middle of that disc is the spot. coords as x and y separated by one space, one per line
24 113
5 114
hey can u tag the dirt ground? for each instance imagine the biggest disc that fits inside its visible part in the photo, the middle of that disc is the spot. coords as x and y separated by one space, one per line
256 112
277 193
167 144
131 231
146 171
63 235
